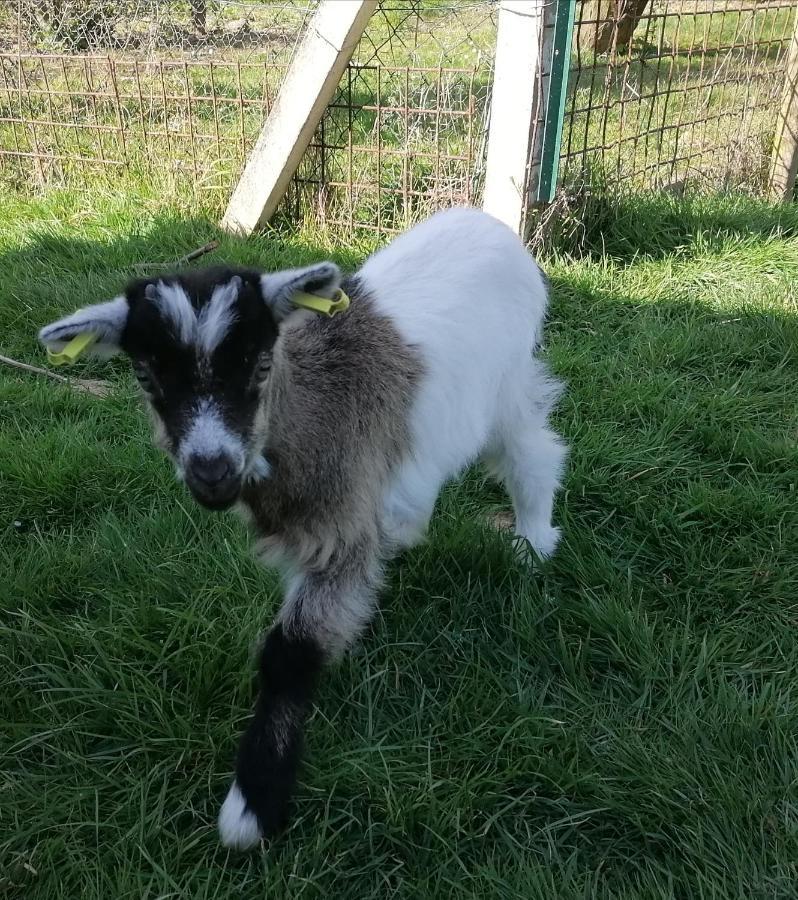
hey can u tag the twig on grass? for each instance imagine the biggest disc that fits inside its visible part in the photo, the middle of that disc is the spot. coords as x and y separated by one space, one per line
94 386
184 260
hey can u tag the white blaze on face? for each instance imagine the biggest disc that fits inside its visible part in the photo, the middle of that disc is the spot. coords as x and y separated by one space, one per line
175 307
217 316
209 436
205 331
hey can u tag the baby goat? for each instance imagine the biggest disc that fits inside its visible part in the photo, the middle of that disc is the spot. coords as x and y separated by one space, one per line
335 435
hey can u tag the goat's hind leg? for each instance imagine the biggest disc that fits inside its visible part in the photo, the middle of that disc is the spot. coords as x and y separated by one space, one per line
323 612
529 458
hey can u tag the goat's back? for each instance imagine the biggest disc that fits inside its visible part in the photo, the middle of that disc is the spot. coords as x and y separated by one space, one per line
462 289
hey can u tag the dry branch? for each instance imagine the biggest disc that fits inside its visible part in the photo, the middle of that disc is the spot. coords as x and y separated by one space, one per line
93 386
178 263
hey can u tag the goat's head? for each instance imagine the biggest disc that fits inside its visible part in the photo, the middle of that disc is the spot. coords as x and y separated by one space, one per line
201 345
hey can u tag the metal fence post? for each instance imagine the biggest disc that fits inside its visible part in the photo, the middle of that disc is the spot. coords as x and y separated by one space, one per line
555 104
784 163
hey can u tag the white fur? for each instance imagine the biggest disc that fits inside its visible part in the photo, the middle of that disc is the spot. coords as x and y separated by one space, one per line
462 288
209 436
217 316
105 320
238 827
175 306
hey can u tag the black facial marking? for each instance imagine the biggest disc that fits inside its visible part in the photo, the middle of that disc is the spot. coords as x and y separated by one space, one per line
144 377
176 375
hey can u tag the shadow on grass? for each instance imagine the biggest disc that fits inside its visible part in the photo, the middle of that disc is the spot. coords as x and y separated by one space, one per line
609 223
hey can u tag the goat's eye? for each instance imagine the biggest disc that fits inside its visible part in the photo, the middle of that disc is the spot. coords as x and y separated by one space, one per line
144 379
264 367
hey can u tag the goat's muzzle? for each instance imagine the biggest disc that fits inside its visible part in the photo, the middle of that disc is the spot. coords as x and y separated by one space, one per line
213 480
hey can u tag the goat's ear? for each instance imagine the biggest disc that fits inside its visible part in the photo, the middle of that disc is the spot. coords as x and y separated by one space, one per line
104 320
278 288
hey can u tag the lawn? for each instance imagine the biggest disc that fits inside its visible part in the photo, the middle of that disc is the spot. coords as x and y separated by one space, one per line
623 723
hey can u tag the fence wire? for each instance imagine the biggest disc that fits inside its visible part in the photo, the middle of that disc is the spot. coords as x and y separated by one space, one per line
406 131
172 91
662 93
685 96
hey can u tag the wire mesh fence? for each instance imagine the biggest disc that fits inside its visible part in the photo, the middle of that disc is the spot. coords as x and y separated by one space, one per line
177 90
675 94
662 93
406 131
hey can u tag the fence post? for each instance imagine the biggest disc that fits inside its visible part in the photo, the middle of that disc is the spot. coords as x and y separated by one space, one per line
555 103
784 163
515 108
309 84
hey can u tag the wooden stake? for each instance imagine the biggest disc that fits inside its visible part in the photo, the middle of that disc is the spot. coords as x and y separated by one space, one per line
784 163
516 107
309 85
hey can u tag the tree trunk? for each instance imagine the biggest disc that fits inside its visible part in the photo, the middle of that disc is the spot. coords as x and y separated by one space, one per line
199 12
609 23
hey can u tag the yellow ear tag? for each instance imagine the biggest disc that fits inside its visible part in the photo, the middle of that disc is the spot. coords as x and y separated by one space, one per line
78 345
313 302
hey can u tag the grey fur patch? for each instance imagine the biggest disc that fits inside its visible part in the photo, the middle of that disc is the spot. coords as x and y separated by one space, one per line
334 426
283 722
332 605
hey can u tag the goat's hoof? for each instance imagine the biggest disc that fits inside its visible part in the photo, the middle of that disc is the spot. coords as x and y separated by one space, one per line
543 541
238 826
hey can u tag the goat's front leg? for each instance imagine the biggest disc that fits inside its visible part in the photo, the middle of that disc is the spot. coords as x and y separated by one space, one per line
323 612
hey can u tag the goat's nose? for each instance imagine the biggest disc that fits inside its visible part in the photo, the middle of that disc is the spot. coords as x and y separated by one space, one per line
210 470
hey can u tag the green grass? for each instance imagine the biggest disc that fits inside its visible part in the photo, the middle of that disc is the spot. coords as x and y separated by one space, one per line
622 724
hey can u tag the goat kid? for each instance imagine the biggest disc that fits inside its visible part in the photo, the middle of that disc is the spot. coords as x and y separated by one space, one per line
335 435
